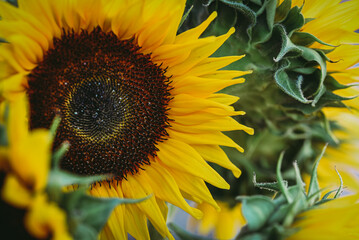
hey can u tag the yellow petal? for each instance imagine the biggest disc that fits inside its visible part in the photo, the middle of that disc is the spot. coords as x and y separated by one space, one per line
116 221
181 156
184 104
15 192
137 187
165 188
193 186
46 219
215 154
212 138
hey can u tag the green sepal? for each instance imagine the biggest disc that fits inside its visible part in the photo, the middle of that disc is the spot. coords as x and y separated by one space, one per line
313 56
184 17
313 189
306 39
292 87
328 99
272 218
270 186
247 15
265 21
183 234
287 47
293 21
3 136
12 2
332 84
59 178
282 11
256 210
3 131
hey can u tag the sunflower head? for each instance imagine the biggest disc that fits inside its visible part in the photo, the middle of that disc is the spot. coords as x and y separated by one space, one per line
137 100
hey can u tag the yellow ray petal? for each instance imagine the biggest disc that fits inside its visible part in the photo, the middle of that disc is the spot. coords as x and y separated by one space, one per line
136 222
193 186
194 33
201 117
183 104
220 124
202 87
212 138
116 220
165 188
208 66
43 12
137 187
201 53
15 192
215 154
181 156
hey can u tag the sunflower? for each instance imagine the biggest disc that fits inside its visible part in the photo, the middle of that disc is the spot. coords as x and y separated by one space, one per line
23 173
317 223
137 101
335 23
224 223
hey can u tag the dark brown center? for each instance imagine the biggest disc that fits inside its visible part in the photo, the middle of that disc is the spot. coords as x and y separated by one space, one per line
112 100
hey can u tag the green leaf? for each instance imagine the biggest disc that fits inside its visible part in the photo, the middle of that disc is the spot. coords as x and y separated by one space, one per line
60 178
256 210
87 215
183 234
253 236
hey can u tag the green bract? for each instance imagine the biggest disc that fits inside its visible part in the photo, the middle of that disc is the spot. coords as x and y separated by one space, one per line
271 218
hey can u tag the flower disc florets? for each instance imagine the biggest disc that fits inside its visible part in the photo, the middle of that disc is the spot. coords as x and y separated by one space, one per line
112 100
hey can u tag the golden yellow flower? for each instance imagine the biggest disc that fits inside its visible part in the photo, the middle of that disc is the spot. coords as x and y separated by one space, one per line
137 100
225 223
26 163
336 219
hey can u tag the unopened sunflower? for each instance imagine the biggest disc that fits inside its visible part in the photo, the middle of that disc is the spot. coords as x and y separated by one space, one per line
136 100
335 24
303 53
